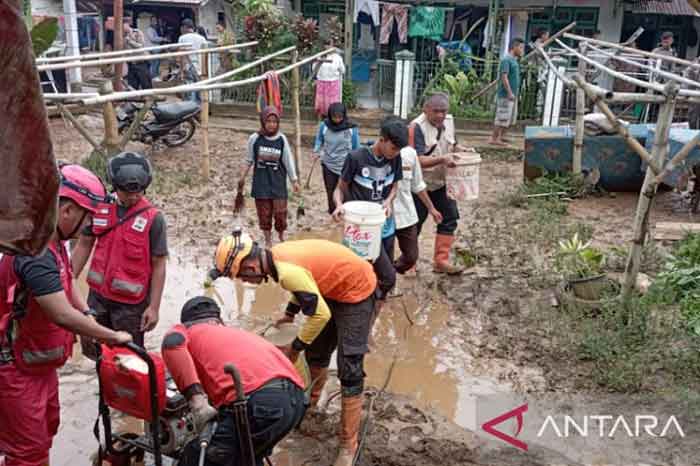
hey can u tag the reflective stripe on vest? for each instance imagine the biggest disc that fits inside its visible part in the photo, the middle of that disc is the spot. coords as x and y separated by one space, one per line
123 285
96 277
43 357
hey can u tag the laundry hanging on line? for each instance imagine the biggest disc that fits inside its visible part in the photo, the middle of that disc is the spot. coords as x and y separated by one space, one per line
427 21
269 92
394 13
371 7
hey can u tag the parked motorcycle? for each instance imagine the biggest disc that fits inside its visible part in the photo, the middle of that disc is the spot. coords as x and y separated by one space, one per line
172 123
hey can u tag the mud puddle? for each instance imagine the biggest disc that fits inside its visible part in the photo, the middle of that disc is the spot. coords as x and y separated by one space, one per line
416 336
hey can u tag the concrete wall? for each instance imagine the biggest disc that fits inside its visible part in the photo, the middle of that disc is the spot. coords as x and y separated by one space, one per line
47 8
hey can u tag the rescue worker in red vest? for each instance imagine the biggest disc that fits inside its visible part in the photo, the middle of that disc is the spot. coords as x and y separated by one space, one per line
40 311
335 289
127 271
196 352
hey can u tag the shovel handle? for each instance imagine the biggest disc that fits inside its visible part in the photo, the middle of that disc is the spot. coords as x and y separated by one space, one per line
231 370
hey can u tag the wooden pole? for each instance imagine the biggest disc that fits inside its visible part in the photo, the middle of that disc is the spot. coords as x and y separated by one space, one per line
198 86
646 196
349 24
678 158
296 83
527 58
635 35
138 58
80 128
617 126
205 123
111 141
118 44
116 53
631 50
615 74
580 110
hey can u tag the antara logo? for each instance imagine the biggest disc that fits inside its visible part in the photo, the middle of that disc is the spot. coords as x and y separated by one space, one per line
599 425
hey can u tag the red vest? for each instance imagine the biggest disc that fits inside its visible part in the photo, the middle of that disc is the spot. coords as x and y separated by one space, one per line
38 344
121 264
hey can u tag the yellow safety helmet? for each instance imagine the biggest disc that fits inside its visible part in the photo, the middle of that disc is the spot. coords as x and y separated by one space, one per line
231 251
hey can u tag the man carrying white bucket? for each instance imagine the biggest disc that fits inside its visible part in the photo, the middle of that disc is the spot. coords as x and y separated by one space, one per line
432 134
371 174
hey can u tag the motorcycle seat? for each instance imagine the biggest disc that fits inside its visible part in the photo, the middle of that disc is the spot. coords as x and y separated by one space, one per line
175 110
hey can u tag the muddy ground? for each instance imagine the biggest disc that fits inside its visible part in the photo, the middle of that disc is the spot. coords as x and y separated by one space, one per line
446 340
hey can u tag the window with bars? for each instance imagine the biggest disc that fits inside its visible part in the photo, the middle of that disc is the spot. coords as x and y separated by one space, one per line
555 19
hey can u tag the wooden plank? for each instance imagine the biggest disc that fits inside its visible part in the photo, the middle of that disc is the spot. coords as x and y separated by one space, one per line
674 231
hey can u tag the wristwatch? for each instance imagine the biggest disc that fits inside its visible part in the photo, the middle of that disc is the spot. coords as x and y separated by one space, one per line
90 312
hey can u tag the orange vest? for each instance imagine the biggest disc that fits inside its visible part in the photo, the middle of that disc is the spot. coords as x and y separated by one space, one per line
38 344
121 264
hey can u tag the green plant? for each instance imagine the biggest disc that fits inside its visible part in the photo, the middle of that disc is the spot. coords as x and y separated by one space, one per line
334 29
306 32
349 94
43 35
576 259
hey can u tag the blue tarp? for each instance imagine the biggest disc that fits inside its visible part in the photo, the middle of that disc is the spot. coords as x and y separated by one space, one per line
551 149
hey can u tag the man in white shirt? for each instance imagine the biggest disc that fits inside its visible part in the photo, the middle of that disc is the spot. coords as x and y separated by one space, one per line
405 214
190 65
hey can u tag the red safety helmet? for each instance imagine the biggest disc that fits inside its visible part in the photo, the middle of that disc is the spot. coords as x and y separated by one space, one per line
82 187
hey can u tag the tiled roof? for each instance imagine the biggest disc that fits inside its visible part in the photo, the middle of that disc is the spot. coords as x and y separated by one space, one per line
663 7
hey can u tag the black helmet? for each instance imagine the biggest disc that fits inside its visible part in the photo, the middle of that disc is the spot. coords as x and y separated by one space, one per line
130 172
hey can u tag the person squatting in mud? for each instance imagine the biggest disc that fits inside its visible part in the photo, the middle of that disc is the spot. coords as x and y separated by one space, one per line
270 155
335 289
432 135
372 174
128 267
41 310
196 352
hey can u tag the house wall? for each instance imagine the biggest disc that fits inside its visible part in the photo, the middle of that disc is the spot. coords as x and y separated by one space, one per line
47 8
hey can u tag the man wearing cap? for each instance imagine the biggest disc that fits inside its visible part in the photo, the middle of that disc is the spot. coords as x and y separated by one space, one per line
335 289
665 48
41 310
196 352
127 271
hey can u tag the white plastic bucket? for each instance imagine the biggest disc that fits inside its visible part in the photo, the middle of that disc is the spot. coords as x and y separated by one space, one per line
363 228
463 180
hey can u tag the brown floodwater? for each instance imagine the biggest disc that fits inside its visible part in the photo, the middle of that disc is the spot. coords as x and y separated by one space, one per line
420 340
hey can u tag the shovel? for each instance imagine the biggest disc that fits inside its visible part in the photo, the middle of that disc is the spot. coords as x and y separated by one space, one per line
300 209
239 203
240 414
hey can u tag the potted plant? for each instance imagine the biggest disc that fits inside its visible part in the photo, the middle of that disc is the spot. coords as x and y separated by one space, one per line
582 267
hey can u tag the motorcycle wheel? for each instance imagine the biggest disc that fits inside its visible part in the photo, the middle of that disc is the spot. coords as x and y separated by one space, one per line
180 134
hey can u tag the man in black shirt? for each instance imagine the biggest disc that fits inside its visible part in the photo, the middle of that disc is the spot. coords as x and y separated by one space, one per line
372 174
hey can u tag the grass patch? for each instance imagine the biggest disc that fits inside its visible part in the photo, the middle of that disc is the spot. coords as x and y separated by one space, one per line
97 164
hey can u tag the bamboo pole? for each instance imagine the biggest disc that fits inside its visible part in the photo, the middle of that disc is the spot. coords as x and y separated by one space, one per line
80 128
631 50
118 44
615 74
296 105
197 86
111 141
527 57
189 87
205 125
660 72
116 53
633 37
617 126
580 110
646 197
678 158
139 58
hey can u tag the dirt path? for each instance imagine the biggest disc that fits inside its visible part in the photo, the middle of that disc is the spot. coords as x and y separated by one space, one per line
452 339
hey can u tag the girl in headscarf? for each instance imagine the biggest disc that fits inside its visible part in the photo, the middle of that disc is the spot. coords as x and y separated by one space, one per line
270 154
336 137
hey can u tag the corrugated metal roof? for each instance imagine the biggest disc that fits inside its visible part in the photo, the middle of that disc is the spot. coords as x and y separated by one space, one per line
661 7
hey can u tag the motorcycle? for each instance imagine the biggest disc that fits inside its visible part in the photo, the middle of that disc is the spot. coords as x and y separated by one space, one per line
172 123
